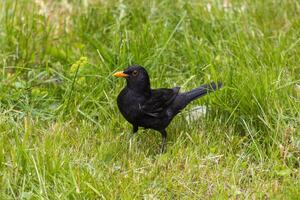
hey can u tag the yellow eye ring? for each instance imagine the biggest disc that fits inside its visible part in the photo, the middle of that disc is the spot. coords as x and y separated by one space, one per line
134 73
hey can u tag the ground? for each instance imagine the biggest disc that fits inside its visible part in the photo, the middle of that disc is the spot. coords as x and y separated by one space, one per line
62 136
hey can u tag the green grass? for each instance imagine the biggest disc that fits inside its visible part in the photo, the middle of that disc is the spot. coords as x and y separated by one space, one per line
62 137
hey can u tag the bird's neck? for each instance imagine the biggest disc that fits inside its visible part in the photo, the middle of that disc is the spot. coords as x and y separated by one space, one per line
141 88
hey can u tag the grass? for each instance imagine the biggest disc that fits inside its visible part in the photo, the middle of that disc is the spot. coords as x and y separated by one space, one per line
62 137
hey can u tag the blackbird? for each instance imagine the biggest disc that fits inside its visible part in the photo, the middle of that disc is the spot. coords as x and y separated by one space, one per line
153 108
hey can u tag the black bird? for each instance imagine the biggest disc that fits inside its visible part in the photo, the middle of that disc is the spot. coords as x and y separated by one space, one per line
153 108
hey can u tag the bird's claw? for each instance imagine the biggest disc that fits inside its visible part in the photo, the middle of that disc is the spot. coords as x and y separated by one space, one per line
162 149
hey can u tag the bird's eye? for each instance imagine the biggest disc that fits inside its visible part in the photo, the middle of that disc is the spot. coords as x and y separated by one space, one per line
134 73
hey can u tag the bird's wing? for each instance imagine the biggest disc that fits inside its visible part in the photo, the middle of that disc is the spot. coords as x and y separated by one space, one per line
160 99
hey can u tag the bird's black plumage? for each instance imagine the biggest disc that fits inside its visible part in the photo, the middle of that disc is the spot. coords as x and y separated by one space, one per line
153 108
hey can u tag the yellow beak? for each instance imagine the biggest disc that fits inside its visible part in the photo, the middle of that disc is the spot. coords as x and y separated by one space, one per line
120 74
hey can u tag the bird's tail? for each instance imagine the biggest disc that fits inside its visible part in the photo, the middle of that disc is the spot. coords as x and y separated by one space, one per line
202 90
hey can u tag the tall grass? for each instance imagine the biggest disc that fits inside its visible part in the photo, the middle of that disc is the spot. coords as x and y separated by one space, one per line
62 137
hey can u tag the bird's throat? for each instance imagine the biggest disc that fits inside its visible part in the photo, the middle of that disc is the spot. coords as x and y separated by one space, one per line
139 87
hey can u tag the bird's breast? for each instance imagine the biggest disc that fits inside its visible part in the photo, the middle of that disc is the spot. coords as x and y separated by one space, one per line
129 105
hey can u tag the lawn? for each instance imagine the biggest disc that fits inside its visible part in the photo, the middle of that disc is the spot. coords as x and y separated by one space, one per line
62 136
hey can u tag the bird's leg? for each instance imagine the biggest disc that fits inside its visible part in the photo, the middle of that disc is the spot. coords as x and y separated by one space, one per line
135 128
164 140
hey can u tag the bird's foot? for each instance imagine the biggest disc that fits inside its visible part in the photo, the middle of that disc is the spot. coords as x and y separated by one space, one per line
162 148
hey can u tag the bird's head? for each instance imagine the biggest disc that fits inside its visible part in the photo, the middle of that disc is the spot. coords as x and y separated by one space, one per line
137 78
